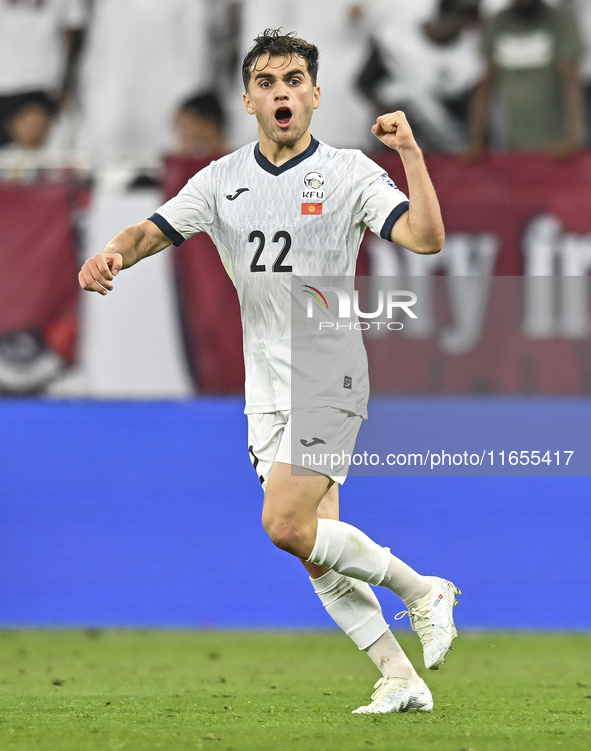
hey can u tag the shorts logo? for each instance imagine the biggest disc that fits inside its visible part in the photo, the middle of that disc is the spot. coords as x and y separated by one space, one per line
348 382
314 442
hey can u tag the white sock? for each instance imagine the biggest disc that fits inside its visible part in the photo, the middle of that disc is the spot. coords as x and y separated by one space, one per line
347 550
405 582
353 606
390 660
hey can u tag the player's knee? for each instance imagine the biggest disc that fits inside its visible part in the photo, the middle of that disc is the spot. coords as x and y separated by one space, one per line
285 534
282 532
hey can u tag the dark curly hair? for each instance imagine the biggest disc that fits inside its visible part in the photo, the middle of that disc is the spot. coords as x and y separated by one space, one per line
275 44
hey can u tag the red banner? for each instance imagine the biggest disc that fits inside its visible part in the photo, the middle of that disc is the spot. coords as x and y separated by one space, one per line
501 194
38 265
209 304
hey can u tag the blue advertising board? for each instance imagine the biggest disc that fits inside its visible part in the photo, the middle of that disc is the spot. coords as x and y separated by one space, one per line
148 514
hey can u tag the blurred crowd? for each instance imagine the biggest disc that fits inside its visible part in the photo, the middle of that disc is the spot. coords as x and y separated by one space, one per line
122 82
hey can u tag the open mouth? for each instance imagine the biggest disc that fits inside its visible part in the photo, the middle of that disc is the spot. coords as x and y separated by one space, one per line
283 116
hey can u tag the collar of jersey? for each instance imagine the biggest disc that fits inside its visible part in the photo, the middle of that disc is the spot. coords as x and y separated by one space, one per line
273 170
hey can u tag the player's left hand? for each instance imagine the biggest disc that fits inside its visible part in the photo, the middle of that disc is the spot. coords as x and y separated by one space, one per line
394 131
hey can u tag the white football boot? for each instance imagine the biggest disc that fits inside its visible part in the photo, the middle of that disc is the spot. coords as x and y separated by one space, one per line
397 695
432 618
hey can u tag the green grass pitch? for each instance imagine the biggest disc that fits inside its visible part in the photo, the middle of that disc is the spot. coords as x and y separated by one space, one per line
259 691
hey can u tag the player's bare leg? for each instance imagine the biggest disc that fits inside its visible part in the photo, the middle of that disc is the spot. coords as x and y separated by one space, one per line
350 602
290 517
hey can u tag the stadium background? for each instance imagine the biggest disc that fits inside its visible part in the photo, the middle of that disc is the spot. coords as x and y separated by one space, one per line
126 493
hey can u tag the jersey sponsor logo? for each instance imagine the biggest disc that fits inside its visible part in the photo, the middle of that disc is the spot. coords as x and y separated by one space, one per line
312 209
238 192
388 180
314 442
314 180
348 382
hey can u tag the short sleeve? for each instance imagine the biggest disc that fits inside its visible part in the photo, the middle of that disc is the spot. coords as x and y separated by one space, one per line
380 203
569 44
190 211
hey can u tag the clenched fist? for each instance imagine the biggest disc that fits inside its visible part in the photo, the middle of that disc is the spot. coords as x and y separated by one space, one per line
394 131
98 272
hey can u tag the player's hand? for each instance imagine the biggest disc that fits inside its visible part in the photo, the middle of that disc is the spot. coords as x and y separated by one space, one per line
98 272
394 131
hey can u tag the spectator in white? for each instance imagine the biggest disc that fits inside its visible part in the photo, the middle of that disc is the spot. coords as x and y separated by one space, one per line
428 65
345 118
582 10
200 127
39 46
142 58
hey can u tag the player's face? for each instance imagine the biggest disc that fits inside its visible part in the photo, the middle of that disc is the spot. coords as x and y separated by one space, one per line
282 96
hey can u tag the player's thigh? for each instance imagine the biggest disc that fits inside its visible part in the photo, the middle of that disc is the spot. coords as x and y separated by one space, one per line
286 496
293 498
328 507
295 490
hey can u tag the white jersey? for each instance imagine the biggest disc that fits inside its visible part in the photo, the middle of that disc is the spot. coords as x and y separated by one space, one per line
305 218
32 44
129 92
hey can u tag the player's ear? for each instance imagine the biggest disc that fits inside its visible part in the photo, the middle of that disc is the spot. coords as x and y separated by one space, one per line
247 103
316 97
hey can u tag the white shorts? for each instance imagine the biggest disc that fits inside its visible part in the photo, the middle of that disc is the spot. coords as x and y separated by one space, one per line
318 438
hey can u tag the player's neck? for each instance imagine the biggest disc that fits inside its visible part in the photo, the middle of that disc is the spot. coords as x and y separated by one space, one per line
279 153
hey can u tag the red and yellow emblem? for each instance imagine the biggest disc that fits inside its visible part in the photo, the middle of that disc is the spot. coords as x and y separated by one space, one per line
311 208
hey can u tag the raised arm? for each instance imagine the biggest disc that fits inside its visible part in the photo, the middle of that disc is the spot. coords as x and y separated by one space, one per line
125 249
420 229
